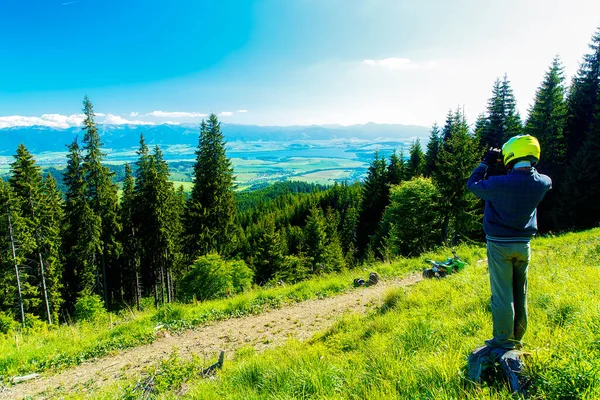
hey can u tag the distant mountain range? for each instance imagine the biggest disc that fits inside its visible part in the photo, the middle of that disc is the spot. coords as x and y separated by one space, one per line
119 137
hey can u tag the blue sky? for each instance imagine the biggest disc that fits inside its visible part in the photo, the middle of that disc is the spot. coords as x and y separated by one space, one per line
278 62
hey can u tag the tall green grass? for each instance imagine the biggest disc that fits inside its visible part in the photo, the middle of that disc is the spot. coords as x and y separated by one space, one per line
54 348
415 346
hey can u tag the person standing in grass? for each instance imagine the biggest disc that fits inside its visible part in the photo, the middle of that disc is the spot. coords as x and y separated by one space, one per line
509 222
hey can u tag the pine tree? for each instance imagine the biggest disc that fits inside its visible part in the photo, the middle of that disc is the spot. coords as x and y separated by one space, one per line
584 99
581 188
103 199
449 127
416 162
457 156
154 224
375 197
503 119
176 229
348 235
269 252
28 187
210 210
81 232
13 277
433 148
315 238
142 199
396 169
333 256
130 258
513 125
546 122
479 131
168 223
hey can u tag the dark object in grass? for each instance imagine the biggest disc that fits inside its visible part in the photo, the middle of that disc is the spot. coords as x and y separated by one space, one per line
373 278
359 282
213 368
489 365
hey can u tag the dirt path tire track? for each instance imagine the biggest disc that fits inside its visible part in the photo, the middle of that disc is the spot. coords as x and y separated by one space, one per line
271 329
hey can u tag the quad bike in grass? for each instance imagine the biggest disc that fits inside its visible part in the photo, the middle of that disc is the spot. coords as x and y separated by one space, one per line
441 269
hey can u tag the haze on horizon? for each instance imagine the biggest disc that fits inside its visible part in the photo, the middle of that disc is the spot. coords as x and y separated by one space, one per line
271 62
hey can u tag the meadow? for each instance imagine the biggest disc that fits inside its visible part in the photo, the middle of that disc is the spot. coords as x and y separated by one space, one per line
413 346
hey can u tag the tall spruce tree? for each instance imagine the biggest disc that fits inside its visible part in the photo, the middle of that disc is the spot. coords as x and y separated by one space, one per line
103 199
433 148
33 198
130 258
52 215
458 155
177 210
210 210
155 231
480 129
375 197
168 220
584 99
581 189
416 162
269 252
81 232
315 238
143 208
14 287
546 122
396 169
503 119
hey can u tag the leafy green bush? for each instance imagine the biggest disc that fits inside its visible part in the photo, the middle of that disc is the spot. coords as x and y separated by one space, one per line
412 220
89 308
211 277
7 323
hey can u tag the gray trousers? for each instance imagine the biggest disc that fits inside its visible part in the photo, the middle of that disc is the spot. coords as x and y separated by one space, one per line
508 264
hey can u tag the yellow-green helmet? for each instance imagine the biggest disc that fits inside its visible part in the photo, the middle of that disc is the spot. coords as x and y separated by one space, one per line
521 147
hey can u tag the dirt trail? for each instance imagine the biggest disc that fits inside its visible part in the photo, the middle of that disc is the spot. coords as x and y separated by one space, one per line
271 329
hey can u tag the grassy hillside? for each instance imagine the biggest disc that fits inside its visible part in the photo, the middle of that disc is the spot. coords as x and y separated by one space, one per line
415 346
41 347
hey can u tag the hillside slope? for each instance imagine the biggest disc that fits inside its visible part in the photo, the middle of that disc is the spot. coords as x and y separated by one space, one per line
412 344
299 321
415 345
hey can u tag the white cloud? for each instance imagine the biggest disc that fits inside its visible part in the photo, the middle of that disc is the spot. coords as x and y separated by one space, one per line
225 114
117 120
176 114
49 120
60 121
399 63
242 111
133 114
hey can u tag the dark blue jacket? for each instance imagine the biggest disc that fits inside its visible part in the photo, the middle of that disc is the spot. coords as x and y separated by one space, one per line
510 202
